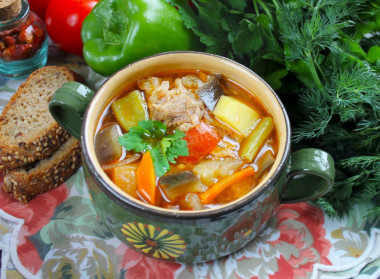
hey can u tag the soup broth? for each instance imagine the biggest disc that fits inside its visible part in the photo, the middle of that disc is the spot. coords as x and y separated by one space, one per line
186 140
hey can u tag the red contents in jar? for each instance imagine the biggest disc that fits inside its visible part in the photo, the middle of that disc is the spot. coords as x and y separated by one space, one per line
24 41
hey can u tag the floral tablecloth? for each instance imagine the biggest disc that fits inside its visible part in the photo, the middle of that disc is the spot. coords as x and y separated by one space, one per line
58 234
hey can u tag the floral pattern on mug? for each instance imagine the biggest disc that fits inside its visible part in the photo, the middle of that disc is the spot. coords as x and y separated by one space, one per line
153 241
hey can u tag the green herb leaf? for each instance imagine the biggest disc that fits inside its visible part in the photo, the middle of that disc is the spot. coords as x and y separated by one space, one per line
323 59
160 162
177 146
164 148
374 54
133 141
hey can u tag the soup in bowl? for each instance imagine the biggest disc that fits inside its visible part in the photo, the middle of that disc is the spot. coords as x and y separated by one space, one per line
186 140
187 155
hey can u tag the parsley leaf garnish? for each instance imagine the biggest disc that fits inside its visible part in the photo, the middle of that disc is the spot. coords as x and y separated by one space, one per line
164 148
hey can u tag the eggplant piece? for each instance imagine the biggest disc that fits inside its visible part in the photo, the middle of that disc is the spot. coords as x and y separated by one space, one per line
127 161
107 147
210 92
180 183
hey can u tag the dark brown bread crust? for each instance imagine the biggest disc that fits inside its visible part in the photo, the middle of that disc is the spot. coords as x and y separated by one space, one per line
36 149
47 174
23 152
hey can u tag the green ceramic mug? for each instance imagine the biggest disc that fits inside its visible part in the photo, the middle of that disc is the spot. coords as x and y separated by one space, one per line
190 236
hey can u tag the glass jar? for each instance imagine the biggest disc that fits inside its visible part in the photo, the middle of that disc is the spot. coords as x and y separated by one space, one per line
23 43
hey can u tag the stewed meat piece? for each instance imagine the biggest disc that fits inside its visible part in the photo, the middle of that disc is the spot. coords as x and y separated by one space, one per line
178 107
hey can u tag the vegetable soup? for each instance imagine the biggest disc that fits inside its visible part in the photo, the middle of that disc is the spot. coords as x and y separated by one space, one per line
186 140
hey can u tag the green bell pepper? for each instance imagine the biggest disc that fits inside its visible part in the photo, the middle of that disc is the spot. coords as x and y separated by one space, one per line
118 32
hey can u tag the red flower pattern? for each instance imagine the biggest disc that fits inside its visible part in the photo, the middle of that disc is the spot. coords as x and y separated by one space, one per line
301 226
309 220
293 223
139 266
37 214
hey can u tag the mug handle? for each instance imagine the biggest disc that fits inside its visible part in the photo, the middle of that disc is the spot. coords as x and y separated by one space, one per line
311 175
69 104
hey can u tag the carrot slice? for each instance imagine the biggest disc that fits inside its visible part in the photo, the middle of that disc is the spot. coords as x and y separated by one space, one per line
220 186
146 180
203 76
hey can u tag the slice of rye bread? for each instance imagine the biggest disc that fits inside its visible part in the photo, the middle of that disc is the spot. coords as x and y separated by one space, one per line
29 181
28 132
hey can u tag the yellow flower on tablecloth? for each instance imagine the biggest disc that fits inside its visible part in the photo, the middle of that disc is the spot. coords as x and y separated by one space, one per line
154 241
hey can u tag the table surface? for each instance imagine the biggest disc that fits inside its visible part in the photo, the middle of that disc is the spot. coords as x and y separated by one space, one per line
58 234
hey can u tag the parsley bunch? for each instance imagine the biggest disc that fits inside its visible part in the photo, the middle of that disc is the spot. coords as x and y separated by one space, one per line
323 59
164 148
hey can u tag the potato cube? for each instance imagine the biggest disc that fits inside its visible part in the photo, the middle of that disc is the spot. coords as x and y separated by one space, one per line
235 113
125 178
130 109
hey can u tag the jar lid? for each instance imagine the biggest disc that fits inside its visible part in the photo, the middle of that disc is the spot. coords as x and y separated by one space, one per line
9 9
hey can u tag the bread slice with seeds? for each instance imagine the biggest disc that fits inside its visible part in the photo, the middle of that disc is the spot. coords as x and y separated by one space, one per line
27 130
29 181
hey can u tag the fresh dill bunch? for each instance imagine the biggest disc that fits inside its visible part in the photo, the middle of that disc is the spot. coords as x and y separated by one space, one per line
323 59
353 174
352 94
309 35
340 99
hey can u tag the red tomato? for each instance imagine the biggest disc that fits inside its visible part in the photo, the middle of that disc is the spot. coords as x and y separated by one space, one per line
39 7
200 141
64 22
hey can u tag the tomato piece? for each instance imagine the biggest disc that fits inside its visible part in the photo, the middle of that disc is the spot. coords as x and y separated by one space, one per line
64 22
201 139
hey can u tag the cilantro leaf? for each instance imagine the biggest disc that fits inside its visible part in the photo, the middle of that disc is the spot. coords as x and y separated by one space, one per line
133 141
160 162
164 148
155 129
175 146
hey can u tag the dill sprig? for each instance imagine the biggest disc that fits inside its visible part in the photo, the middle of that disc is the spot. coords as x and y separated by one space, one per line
323 59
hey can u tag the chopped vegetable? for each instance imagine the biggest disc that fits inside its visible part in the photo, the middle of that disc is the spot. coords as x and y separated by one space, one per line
236 114
146 180
225 149
177 178
265 162
179 184
130 109
151 135
200 139
235 192
125 178
208 196
256 139
210 92
210 171
127 161
107 148
191 81
203 76
191 202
